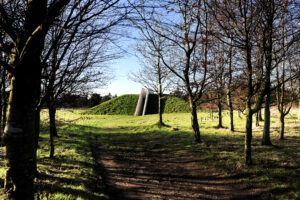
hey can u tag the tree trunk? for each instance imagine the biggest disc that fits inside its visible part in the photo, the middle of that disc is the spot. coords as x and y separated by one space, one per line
257 119
268 50
51 155
37 134
53 131
231 125
229 100
20 135
194 121
160 120
260 116
282 125
25 88
1 112
159 80
248 136
4 109
220 125
4 101
37 126
249 112
266 133
52 114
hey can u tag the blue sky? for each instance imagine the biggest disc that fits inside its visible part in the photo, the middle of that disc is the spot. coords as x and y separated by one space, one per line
127 64
121 84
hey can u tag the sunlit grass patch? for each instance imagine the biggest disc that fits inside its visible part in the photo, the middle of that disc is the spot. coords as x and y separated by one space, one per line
73 174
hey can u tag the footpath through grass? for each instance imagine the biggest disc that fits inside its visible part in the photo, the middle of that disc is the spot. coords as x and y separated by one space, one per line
73 174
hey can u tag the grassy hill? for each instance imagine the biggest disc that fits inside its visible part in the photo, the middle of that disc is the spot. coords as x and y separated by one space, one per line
126 104
175 105
122 105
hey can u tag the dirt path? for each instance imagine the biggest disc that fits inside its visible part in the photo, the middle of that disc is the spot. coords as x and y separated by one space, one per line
161 175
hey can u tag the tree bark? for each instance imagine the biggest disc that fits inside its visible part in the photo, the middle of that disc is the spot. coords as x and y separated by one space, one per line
53 131
248 136
231 125
266 133
159 78
37 134
257 119
20 136
4 101
260 116
282 125
160 120
4 108
229 99
268 50
194 121
220 124
1 112
52 114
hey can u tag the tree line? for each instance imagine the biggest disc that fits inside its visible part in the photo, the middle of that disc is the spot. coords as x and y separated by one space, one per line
241 54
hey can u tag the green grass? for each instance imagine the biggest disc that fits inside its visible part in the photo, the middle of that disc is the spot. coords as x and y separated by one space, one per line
126 104
72 174
122 105
175 105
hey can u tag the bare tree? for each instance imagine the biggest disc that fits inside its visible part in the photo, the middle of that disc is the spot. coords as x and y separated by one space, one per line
229 85
26 24
286 47
74 60
186 51
242 19
222 59
153 75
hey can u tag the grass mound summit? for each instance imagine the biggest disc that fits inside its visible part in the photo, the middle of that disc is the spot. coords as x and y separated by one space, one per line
126 104
122 105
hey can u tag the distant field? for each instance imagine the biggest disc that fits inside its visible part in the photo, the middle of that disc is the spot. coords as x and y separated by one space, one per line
73 173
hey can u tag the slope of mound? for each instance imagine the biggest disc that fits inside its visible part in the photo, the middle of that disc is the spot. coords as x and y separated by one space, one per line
122 105
175 105
126 104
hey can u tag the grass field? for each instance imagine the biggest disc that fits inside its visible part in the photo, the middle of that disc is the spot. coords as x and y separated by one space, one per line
73 174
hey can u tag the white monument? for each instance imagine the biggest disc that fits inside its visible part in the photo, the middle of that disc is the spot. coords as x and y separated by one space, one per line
142 104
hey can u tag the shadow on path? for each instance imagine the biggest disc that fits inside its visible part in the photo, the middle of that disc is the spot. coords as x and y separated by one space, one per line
159 174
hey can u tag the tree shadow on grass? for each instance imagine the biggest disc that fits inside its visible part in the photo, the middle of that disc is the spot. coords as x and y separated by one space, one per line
72 172
151 163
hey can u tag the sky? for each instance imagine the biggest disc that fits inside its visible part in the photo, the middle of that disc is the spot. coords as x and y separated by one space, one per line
123 66
121 84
